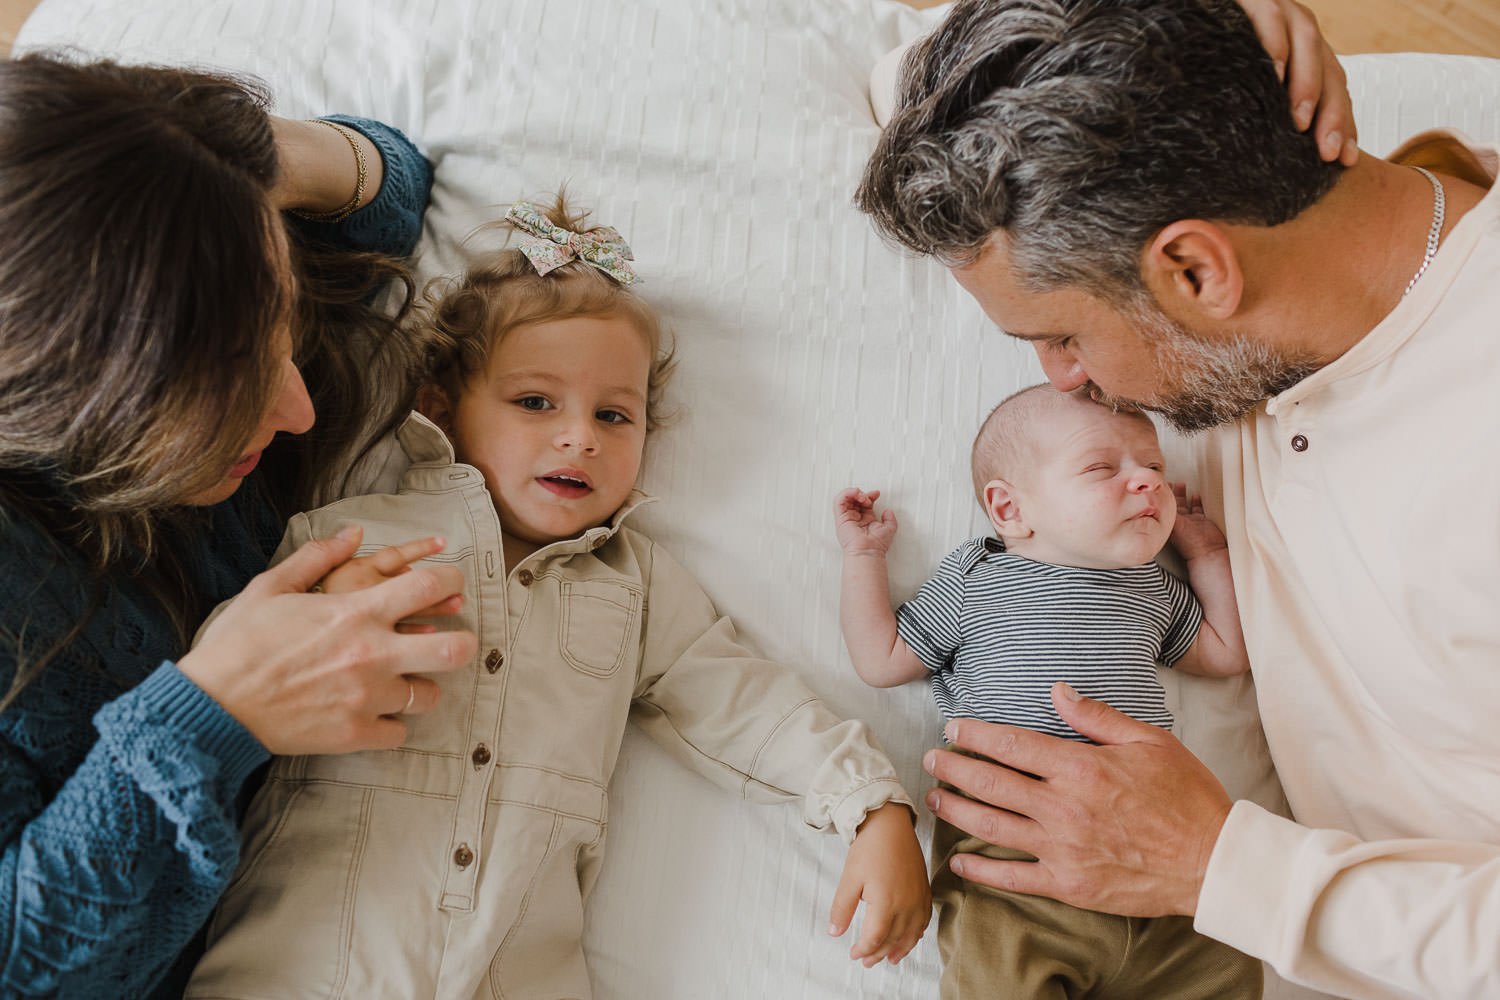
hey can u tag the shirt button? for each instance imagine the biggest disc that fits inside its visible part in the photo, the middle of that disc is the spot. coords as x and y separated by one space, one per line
480 756
463 857
524 578
1299 443
493 660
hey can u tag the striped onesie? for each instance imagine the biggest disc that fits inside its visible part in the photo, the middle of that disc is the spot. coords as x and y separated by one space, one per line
998 629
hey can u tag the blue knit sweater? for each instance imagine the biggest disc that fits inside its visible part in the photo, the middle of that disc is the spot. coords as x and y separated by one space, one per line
118 776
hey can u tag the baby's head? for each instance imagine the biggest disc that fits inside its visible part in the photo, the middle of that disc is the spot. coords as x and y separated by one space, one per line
1067 480
546 383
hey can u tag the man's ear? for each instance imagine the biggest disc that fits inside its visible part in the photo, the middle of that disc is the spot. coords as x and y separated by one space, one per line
1004 509
1192 269
433 403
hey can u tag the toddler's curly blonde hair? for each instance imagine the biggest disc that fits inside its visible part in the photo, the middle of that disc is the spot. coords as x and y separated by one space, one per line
464 318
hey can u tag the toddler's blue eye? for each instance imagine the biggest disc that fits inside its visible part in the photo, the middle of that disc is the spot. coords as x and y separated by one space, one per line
612 417
534 403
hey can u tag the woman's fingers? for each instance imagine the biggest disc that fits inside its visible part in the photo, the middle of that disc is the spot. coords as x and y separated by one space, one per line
1317 89
410 594
1336 130
298 572
411 695
437 652
1270 24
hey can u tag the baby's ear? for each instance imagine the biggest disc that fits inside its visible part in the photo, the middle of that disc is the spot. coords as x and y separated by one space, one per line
433 403
1003 506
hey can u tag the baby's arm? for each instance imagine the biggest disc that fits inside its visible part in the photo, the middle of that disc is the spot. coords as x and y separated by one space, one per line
881 657
1219 650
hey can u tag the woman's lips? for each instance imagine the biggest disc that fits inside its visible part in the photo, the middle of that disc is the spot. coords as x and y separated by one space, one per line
245 466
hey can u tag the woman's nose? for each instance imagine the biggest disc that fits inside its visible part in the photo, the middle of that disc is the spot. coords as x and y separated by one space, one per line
293 410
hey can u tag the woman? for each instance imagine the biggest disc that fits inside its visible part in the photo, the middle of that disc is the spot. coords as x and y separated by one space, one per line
152 295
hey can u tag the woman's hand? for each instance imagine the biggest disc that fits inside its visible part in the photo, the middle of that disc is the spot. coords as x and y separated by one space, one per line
317 171
1315 81
886 869
327 673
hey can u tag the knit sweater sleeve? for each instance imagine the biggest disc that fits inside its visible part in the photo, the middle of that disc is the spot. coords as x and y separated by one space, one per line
391 223
105 879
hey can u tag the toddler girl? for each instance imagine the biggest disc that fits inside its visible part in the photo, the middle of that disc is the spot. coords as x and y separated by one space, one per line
457 864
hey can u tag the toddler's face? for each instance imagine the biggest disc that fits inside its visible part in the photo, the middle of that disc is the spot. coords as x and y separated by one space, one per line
1097 495
557 424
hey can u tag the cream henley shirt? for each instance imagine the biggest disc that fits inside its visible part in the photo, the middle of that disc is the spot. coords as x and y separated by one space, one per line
1362 508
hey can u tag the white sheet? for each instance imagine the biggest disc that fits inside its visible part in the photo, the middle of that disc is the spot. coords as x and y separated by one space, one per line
723 138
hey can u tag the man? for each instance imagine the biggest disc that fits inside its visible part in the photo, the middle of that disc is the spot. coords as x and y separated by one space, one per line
1123 185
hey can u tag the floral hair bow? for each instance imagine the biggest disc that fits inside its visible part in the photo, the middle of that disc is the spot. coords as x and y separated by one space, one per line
548 246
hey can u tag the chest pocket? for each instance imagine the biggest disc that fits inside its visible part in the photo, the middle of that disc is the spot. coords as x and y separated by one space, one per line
597 625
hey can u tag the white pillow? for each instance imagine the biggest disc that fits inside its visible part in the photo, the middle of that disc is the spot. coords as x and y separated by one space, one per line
724 139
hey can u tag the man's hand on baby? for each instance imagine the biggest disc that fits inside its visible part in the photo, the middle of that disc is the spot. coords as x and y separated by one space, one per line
859 528
392 561
1193 534
886 869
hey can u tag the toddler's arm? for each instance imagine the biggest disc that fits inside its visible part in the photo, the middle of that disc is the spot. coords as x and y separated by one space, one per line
881 657
1219 650
753 726
885 868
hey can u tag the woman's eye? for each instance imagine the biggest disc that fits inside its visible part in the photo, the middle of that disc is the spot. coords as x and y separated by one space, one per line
533 403
613 417
1059 343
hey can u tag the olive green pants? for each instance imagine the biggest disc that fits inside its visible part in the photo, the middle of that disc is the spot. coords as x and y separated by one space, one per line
1008 945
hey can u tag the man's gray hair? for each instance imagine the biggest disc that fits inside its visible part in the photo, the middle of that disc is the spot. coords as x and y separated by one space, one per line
1081 128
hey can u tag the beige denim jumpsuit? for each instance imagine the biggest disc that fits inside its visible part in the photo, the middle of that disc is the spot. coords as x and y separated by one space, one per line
457 865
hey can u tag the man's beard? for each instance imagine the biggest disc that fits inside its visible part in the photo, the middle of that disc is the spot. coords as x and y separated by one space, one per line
1208 383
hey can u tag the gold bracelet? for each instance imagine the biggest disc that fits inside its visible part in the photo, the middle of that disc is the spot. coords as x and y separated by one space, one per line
343 211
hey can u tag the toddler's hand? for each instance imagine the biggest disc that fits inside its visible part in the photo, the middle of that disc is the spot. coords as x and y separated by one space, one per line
859 528
392 561
886 869
1193 534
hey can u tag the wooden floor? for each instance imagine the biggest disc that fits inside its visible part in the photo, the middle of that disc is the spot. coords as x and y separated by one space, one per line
1467 27
1463 26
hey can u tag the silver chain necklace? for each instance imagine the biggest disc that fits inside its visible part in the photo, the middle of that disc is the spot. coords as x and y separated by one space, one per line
1439 209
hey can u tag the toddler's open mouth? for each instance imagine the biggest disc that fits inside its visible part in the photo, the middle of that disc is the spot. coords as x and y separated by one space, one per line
566 484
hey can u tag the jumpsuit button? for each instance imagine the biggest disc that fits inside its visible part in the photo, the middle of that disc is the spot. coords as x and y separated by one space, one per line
1299 443
480 756
463 857
524 578
493 660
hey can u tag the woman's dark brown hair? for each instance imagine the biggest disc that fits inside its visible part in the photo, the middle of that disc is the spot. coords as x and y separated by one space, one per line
144 277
